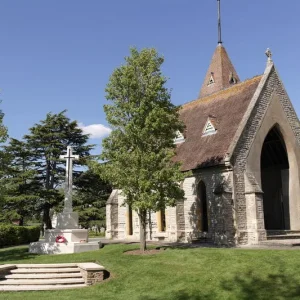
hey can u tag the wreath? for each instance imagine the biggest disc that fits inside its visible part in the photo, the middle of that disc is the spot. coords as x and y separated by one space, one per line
60 239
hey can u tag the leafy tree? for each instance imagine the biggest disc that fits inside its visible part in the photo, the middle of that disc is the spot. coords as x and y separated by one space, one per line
140 147
48 140
90 198
19 182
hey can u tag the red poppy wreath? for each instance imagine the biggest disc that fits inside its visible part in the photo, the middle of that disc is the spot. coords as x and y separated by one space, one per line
60 239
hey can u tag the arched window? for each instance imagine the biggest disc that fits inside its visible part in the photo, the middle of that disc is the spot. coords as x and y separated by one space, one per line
202 208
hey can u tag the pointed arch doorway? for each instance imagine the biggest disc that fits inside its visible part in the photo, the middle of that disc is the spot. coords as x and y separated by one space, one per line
275 181
202 215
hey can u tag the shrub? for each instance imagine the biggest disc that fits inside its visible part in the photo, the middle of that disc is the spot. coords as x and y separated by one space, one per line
11 235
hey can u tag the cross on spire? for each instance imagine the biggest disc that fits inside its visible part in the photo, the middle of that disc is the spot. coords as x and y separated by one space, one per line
219 23
269 54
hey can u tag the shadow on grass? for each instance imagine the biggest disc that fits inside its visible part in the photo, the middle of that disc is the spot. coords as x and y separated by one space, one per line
278 285
182 295
14 254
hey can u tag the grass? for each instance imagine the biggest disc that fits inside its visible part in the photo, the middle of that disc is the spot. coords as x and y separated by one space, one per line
177 274
96 234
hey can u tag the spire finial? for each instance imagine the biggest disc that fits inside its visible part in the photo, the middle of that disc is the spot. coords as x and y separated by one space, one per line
219 23
269 54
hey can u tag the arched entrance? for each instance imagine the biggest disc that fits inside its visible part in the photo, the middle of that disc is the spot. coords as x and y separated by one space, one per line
202 215
275 181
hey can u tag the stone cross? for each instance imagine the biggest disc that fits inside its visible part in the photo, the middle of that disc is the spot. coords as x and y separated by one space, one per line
269 54
69 182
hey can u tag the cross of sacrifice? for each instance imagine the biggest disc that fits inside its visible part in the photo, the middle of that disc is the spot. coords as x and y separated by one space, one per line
69 181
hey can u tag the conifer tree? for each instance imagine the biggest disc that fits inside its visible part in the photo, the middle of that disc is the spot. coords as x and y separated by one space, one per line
21 187
48 140
3 156
140 147
90 196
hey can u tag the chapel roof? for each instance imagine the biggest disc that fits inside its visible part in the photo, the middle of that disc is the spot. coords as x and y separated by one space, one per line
225 109
221 73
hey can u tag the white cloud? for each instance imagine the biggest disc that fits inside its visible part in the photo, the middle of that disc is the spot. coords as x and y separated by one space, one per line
96 131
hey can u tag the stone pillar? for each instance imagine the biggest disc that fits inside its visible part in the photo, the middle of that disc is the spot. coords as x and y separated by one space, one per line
254 210
108 232
189 186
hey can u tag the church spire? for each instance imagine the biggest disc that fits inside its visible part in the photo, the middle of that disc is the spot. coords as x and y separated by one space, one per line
219 23
221 73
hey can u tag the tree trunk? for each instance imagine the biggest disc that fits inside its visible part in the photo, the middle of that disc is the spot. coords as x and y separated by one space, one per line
46 217
21 221
143 221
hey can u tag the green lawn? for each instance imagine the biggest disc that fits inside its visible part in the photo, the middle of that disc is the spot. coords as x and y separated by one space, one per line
179 274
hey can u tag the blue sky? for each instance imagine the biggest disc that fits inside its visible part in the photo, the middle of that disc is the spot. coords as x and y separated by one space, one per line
59 54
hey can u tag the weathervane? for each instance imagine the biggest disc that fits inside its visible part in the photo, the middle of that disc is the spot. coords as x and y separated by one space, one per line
219 23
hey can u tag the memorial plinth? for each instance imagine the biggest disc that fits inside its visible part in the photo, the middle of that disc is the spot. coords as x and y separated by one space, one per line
66 237
76 240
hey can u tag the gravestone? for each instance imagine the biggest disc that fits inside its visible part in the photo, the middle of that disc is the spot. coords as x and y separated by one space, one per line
67 237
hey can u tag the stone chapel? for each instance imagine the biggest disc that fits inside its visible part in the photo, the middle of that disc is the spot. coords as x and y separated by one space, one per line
241 144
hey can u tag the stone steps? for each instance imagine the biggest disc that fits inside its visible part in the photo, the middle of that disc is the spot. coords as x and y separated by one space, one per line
12 288
38 266
44 270
41 281
281 243
31 277
42 276
283 234
284 237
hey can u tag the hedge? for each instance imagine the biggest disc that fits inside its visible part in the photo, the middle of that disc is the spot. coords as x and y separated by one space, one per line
11 235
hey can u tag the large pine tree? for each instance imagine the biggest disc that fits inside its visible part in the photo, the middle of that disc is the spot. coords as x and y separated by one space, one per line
48 140
90 196
20 185
140 147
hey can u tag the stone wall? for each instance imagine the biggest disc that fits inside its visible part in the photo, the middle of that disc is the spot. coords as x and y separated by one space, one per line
112 215
218 182
181 219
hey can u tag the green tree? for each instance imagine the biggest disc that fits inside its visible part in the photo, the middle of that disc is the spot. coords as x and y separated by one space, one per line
19 181
48 140
140 147
3 157
90 198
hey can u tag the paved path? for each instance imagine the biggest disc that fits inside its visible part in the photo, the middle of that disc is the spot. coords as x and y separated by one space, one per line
278 245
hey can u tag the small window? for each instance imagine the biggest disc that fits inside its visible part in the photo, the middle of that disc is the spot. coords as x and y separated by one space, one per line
179 138
209 128
211 79
232 79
